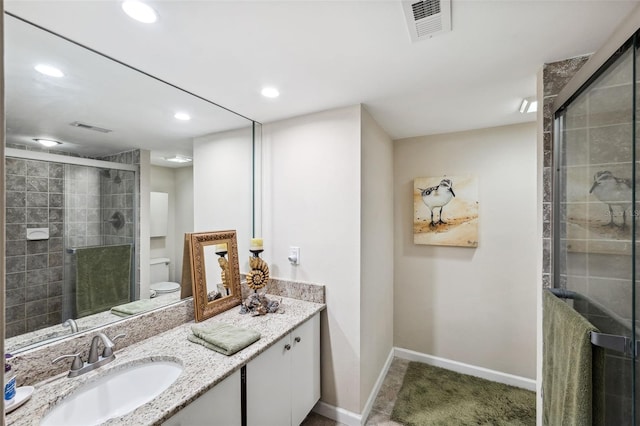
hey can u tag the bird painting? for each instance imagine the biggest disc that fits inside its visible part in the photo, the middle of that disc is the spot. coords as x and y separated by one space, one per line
437 196
614 192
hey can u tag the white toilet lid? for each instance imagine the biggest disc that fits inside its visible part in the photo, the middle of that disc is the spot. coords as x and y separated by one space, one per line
165 287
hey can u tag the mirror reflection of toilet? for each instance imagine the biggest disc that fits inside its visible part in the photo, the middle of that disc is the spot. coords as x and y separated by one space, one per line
160 283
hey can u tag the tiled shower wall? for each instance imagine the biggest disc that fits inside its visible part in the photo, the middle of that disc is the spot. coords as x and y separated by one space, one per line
117 193
555 76
34 199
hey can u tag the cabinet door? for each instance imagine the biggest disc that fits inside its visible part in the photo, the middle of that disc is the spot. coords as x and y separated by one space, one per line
217 406
305 368
268 386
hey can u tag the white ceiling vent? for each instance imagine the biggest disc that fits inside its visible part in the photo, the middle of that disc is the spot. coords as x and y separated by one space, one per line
427 18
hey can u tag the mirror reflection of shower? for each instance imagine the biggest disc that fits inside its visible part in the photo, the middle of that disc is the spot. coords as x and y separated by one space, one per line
80 206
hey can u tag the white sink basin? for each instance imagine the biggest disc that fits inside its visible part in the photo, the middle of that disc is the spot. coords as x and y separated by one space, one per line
113 394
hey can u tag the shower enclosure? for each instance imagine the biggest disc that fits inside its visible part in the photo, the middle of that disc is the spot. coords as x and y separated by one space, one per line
80 205
595 224
99 211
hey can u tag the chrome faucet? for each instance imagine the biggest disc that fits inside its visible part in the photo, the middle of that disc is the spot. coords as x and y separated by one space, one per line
94 361
71 323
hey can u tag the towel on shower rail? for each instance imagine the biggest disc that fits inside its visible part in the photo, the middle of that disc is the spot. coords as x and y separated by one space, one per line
572 368
103 278
222 337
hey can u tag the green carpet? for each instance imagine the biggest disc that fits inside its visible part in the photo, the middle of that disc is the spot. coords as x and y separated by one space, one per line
435 396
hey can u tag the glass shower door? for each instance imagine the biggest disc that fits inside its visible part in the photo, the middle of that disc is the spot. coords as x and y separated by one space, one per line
595 220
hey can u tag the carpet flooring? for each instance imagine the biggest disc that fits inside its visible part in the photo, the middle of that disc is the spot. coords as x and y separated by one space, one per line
434 396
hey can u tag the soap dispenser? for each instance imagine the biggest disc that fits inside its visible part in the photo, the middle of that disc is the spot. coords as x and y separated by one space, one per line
9 382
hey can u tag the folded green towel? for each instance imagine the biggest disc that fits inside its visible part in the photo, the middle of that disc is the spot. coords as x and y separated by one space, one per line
136 307
221 337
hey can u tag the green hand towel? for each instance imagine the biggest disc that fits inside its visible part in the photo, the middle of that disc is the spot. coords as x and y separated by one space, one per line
224 338
572 370
136 307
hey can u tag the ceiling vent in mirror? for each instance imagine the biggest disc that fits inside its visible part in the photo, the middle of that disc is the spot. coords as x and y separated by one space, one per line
90 127
427 18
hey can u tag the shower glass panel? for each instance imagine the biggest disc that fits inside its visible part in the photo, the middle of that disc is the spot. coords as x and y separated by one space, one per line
595 219
99 211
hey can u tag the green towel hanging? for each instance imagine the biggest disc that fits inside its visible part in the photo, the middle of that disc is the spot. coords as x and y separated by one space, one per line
103 278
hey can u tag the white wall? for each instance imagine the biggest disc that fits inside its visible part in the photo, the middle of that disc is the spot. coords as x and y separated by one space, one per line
311 199
476 306
184 213
178 183
376 246
222 186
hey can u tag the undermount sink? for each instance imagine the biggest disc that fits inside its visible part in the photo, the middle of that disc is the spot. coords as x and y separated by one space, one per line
113 394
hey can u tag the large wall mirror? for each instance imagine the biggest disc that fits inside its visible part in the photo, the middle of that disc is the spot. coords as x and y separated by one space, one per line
79 210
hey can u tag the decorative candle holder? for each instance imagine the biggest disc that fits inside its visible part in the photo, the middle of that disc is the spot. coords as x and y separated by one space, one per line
224 266
258 277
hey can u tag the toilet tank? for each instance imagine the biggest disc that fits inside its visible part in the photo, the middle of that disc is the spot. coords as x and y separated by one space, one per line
159 269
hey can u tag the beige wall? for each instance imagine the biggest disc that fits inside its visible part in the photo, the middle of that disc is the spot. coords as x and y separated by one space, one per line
376 248
311 199
476 306
178 183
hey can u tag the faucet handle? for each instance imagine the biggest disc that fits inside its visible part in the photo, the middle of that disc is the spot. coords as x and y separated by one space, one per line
108 349
77 363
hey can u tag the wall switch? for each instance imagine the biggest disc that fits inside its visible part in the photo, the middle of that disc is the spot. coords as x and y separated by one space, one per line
294 255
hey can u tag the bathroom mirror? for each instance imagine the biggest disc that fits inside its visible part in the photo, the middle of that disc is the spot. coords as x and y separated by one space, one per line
117 127
215 274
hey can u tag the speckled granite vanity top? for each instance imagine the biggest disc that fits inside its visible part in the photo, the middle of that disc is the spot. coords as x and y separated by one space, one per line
203 368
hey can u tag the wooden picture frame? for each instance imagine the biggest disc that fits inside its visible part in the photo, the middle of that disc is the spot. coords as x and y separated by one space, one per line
200 248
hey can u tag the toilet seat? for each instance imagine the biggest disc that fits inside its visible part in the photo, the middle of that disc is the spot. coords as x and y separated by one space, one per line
165 287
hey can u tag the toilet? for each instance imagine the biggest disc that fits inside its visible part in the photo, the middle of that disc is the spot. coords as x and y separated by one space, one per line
160 283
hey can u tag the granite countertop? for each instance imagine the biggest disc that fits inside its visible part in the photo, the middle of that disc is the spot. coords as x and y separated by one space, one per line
203 368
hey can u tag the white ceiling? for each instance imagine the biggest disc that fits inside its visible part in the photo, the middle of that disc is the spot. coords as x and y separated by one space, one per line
327 54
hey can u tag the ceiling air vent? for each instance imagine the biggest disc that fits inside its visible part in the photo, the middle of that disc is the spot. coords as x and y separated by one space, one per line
427 18
90 127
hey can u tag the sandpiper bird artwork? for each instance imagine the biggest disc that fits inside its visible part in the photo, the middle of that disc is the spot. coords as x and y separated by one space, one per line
438 196
614 192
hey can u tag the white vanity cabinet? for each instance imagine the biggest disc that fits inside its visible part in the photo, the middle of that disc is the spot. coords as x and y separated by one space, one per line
220 405
283 383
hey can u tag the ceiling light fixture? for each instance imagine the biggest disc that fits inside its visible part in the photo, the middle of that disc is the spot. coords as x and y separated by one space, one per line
49 70
47 142
270 92
528 105
139 11
182 116
178 159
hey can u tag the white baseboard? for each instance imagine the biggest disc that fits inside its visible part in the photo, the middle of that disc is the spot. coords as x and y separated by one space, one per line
338 414
472 370
376 388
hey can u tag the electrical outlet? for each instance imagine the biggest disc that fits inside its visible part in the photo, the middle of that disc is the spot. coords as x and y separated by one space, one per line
294 255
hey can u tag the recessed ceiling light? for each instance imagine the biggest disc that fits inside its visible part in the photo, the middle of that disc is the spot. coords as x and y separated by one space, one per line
182 116
528 105
139 11
48 70
47 142
178 159
270 92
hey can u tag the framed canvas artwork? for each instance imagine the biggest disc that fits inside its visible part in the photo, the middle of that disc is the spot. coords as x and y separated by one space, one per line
445 211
